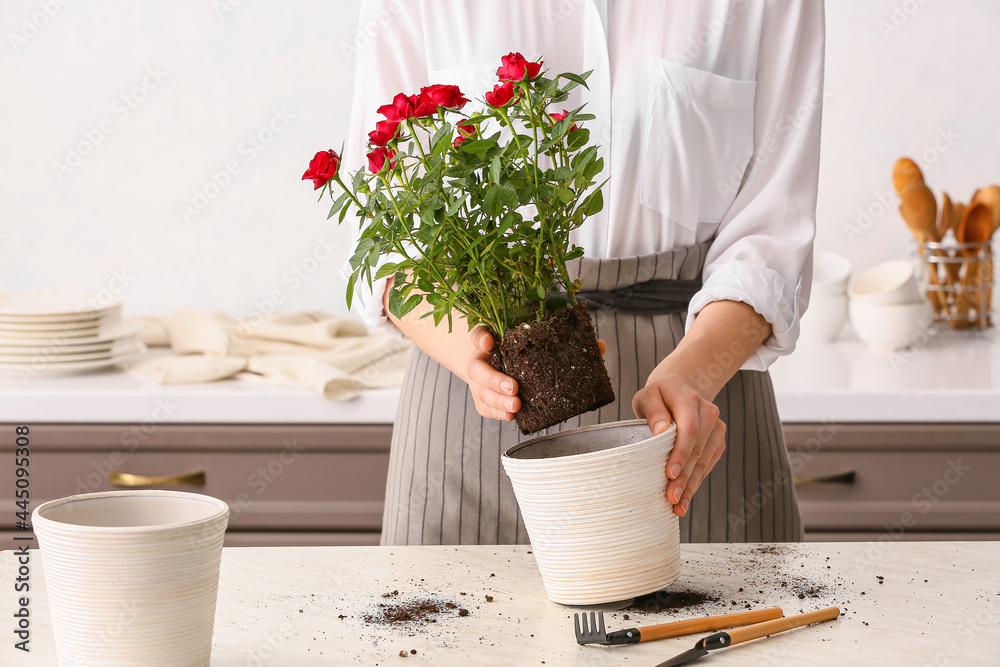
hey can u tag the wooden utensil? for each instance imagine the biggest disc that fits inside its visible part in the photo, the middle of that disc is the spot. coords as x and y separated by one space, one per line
749 632
904 172
919 211
594 633
990 197
949 220
976 227
947 210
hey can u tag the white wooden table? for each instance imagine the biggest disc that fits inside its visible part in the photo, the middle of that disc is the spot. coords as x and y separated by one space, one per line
938 604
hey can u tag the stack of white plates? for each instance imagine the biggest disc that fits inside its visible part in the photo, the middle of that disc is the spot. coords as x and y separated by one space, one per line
60 331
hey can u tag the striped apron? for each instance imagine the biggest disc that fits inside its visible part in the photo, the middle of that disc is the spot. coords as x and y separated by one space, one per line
446 484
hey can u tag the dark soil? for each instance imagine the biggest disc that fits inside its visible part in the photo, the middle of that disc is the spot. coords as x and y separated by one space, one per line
418 611
558 368
670 601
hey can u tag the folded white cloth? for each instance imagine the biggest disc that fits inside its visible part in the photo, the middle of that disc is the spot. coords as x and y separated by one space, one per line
329 355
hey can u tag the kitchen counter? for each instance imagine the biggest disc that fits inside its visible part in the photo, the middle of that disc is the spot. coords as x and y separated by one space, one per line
911 603
947 377
114 396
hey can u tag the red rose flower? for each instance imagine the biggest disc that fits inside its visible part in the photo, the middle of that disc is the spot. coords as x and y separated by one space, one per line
443 96
383 132
515 66
407 106
561 116
322 168
465 130
502 94
378 157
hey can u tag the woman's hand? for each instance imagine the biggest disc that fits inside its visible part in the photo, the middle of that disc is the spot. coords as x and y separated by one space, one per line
495 393
679 389
700 438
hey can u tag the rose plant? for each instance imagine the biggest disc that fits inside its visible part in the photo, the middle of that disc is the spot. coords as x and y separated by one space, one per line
473 212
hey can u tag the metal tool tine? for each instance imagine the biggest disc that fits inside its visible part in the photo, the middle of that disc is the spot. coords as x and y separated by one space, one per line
591 632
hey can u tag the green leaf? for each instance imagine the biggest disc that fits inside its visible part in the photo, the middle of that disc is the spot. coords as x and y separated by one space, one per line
457 204
578 138
508 195
410 304
579 79
386 269
593 169
491 201
593 203
350 289
495 169
339 202
395 300
358 258
443 133
536 293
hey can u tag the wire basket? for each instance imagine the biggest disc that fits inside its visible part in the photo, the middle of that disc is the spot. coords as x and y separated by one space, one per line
960 282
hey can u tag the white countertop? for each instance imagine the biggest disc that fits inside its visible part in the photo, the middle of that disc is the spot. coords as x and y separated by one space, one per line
949 377
937 603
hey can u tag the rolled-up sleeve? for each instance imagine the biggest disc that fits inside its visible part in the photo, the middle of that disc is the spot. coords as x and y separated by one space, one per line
762 253
390 59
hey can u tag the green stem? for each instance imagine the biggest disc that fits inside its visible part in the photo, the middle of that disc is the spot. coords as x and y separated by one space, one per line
420 148
349 192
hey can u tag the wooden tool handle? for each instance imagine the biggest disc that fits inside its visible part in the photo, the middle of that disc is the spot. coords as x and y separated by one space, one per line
745 634
696 625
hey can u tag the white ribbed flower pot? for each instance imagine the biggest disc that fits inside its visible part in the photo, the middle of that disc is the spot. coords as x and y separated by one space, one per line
132 576
593 501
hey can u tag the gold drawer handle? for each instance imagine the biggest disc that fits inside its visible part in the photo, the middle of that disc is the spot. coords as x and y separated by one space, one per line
840 478
128 479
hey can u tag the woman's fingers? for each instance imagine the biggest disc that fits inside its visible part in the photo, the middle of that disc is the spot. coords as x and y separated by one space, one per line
698 443
482 339
481 373
713 452
495 393
699 465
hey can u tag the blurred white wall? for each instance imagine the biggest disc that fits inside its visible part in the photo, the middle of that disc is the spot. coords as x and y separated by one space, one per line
156 147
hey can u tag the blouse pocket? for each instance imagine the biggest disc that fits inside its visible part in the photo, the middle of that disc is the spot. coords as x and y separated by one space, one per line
698 143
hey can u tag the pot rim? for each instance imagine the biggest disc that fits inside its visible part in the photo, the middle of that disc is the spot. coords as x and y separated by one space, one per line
65 528
582 429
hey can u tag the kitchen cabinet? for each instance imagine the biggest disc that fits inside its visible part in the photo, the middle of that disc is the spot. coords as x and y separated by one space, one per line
323 485
285 484
897 481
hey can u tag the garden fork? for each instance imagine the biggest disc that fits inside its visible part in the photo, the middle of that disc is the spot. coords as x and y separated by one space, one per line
594 632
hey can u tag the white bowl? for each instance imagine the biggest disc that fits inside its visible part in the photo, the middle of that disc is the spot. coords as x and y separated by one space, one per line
887 327
888 282
824 318
593 501
831 271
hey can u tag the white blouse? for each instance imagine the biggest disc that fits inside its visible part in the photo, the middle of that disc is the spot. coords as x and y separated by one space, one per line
708 117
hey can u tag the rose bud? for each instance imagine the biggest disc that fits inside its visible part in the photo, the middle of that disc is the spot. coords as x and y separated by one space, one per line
515 66
322 168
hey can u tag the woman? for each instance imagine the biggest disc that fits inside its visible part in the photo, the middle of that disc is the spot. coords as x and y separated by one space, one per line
708 115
